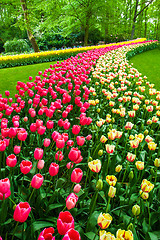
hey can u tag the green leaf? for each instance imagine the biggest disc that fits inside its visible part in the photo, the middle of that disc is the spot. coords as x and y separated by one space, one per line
53 206
91 235
41 224
151 236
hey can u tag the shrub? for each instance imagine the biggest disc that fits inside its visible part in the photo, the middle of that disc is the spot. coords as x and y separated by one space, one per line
15 45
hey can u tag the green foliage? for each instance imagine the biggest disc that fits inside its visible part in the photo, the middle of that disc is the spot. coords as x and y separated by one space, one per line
15 45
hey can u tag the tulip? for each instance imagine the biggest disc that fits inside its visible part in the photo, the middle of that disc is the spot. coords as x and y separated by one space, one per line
77 188
130 157
11 160
89 137
125 235
80 140
95 165
46 234
5 196
41 130
71 234
152 146
136 210
76 175
59 156
144 195
21 212
110 148
111 180
25 166
49 124
46 142
76 129
112 191
69 165
71 201
37 181
22 135
17 149
103 139
74 154
2 145
106 235
38 153
40 164
53 169
118 168
60 143
157 162
146 186
129 126
134 143
139 165
104 220
65 221
4 185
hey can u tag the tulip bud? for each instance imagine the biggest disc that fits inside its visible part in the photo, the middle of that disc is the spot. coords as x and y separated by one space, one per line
77 188
157 162
146 132
112 192
136 210
118 168
100 152
99 184
131 175
98 110
130 227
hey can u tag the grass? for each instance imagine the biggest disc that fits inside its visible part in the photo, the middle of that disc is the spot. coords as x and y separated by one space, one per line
148 63
10 76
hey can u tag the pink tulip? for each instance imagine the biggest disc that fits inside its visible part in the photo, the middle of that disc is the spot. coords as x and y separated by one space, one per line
11 160
46 142
80 140
4 185
17 149
77 188
6 195
71 201
37 181
21 212
53 169
38 153
25 166
46 234
76 129
40 164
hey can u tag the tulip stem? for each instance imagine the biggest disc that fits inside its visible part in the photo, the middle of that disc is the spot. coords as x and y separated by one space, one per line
95 150
31 194
125 173
149 219
109 199
96 233
86 178
14 230
71 187
12 201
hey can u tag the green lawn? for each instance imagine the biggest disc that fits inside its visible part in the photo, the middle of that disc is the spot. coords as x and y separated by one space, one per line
10 76
148 63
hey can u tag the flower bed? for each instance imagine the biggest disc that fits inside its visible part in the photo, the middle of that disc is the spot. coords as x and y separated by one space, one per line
49 56
80 151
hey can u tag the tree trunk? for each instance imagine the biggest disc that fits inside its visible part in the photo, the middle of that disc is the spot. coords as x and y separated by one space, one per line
145 28
29 32
134 20
86 35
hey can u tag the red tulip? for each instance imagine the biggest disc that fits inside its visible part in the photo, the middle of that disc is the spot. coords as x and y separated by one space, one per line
37 181
71 234
74 154
46 234
21 212
59 156
76 175
4 185
11 160
65 221
2 145
49 124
